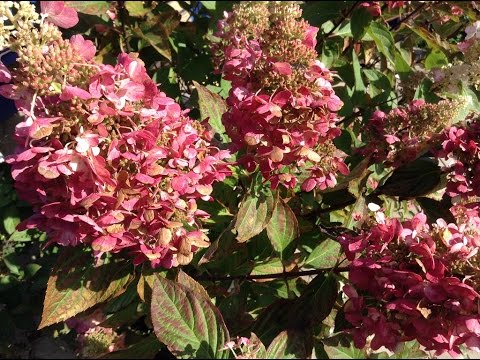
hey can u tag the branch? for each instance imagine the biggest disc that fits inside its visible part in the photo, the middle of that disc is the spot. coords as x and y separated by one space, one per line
409 16
283 275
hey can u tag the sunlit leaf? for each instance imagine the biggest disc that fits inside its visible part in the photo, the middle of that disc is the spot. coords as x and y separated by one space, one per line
75 285
282 228
191 326
287 345
253 216
212 106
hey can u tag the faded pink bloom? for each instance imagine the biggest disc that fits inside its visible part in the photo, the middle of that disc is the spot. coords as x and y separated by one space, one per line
59 14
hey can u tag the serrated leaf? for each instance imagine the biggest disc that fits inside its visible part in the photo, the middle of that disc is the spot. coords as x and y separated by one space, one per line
325 255
288 344
282 228
253 216
187 281
190 326
212 106
75 285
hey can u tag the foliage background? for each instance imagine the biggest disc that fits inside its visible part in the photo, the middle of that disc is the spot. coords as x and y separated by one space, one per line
380 64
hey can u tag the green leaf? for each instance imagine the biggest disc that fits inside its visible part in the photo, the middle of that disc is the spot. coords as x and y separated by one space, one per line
424 91
20 236
433 40
325 255
282 228
158 41
11 218
258 347
210 5
212 106
316 302
191 326
343 350
360 207
136 9
272 266
379 83
330 52
287 345
360 21
184 279
359 89
414 179
253 216
435 59
384 40
75 285
97 8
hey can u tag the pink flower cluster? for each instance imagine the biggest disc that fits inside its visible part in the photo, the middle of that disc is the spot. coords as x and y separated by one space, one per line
114 163
412 281
404 133
461 150
282 107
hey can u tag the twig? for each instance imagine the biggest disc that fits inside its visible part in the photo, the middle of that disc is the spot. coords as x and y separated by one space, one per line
122 16
409 16
290 274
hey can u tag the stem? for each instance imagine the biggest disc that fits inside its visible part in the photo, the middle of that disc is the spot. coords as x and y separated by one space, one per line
270 276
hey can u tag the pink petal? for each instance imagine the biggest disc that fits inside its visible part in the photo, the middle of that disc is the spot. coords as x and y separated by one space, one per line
180 184
104 243
70 92
85 48
283 68
58 14
5 75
